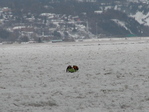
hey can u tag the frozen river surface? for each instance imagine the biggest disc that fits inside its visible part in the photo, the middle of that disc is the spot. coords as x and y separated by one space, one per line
113 77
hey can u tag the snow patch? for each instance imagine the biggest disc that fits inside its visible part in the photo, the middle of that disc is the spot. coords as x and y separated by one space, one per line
142 18
122 24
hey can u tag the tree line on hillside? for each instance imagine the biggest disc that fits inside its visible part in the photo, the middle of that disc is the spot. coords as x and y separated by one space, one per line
98 23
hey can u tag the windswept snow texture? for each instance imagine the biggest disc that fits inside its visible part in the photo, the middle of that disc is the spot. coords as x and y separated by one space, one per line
113 77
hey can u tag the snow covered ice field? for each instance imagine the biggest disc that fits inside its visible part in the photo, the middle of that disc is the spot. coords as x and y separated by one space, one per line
113 77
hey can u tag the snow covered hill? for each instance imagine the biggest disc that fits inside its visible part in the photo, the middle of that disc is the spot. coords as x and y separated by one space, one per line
142 18
113 76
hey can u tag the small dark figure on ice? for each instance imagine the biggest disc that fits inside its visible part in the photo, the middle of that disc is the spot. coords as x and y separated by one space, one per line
72 69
